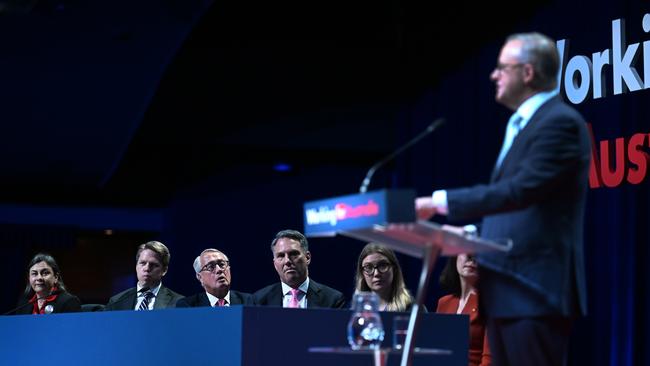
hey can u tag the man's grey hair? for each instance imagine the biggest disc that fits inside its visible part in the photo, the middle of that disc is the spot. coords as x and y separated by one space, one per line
197 264
197 261
541 52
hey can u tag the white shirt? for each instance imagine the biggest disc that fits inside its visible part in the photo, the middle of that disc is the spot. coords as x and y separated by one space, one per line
213 299
528 108
302 296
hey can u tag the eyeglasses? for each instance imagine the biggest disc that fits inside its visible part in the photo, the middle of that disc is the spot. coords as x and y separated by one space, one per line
369 268
212 266
500 68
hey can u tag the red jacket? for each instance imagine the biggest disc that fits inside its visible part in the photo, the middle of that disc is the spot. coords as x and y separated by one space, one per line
479 351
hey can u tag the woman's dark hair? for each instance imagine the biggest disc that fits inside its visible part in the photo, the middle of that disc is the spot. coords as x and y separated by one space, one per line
44 257
449 278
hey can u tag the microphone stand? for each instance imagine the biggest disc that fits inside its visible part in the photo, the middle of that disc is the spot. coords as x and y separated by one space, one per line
12 311
432 127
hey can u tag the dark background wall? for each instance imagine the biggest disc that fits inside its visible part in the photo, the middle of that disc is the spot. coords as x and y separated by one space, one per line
125 122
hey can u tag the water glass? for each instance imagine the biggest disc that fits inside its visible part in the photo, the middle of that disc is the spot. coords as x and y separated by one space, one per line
365 329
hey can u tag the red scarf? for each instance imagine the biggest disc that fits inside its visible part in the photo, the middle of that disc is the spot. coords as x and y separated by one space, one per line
53 294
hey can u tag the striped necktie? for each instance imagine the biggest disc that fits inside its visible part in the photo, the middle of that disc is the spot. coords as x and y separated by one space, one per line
144 305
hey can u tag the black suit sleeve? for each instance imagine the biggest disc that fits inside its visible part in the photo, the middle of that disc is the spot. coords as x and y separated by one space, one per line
340 302
268 296
125 300
182 303
69 304
247 299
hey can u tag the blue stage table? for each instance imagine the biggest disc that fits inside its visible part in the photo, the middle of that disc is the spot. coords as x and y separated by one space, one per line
235 335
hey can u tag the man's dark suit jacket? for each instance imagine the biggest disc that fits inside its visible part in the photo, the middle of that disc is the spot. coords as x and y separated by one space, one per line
537 199
201 299
125 300
318 296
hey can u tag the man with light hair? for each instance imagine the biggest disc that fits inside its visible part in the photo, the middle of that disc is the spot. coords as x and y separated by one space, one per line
151 264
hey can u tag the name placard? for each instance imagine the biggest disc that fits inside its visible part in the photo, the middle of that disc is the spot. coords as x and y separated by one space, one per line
358 211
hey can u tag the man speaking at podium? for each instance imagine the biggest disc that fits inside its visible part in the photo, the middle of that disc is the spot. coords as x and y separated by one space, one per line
536 198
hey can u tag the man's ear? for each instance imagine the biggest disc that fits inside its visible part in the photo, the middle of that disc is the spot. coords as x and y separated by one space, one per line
308 256
529 73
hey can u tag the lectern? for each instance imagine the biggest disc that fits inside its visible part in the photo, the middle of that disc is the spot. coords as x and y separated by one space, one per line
388 217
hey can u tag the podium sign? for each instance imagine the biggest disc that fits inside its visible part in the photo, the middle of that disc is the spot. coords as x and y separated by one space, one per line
358 211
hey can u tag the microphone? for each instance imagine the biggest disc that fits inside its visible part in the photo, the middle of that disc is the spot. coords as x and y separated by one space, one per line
12 311
432 127
49 309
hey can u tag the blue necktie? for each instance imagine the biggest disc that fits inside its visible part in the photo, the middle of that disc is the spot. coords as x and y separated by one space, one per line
514 126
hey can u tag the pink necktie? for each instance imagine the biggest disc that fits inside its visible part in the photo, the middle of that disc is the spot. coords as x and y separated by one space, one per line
221 302
294 302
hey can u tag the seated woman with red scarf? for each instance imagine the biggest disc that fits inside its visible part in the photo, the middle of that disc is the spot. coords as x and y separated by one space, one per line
45 292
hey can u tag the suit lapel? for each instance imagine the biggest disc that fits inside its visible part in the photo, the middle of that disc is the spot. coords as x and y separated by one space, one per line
521 138
313 295
162 299
132 299
203 300
234 298
276 296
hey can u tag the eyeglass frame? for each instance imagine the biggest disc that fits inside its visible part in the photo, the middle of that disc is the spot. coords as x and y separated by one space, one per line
222 264
373 267
501 68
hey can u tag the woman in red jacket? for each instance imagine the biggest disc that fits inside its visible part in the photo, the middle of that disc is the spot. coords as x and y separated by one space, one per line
460 277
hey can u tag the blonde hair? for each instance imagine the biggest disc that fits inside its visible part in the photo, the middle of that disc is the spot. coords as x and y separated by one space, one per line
400 297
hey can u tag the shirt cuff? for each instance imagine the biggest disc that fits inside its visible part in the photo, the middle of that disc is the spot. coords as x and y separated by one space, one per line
439 200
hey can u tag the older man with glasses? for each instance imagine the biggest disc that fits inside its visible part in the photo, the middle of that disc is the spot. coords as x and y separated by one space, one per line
212 269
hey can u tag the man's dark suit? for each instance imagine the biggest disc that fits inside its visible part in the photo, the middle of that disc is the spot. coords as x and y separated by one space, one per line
201 299
536 199
318 296
125 300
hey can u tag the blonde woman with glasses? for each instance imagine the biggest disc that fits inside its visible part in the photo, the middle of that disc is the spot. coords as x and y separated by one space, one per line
379 271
